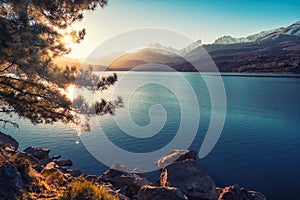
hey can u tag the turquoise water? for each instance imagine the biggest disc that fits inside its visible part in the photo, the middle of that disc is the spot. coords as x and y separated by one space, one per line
258 147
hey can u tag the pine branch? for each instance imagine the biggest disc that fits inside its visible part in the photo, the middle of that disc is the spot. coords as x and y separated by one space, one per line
6 68
5 122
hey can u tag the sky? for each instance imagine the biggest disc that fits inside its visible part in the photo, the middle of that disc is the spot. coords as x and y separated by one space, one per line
197 19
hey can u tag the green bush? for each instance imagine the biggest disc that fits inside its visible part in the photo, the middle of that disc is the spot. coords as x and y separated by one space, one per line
85 190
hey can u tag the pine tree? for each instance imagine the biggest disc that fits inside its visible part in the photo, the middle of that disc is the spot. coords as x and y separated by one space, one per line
31 37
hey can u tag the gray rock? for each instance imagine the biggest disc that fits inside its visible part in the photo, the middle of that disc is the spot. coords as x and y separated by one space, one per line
30 157
128 181
49 168
133 180
148 192
40 153
236 193
34 162
257 195
111 190
63 163
74 172
56 157
10 182
68 177
176 156
8 143
190 178
120 196
92 178
45 161
13 176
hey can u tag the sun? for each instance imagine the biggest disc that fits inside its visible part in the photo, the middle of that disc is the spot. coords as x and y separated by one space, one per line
71 92
67 39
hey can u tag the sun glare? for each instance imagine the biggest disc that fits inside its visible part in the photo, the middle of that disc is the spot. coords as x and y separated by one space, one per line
71 92
67 39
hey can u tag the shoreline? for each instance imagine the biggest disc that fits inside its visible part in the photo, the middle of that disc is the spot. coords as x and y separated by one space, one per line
231 74
33 174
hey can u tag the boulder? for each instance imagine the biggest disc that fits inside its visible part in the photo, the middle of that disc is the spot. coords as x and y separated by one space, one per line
13 177
91 178
49 168
68 177
27 156
257 195
132 180
120 196
236 193
63 163
74 172
10 182
190 178
148 192
111 190
128 181
125 176
176 156
45 161
40 153
33 174
8 143
56 157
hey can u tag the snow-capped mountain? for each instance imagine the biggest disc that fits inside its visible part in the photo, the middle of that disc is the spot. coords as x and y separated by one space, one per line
227 39
292 30
276 51
181 52
190 47
251 38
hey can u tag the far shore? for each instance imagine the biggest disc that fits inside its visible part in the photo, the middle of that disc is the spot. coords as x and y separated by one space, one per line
239 74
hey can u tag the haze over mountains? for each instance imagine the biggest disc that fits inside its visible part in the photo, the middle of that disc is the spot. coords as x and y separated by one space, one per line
272 51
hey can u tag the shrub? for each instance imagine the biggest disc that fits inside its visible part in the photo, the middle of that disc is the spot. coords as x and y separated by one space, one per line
86 190
55 178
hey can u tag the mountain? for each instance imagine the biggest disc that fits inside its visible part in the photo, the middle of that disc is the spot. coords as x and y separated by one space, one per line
102 61
182 52
293 30
280 54
129 60
155 53
251 38
63 61
273 51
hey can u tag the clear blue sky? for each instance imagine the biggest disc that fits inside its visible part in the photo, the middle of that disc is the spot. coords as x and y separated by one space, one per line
198 19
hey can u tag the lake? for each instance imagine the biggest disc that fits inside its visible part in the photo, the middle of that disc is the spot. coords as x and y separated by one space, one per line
258 147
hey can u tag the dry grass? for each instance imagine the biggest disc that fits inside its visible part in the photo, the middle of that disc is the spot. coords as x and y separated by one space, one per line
86 190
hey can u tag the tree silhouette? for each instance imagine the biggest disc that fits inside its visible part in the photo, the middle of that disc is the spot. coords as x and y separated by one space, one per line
31 37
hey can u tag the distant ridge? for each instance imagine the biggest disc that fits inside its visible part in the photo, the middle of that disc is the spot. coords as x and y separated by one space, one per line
293 30
272 51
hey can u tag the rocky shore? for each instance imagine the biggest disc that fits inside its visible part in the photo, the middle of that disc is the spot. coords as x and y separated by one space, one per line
33 174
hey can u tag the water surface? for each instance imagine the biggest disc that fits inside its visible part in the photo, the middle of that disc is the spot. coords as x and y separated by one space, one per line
258 147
